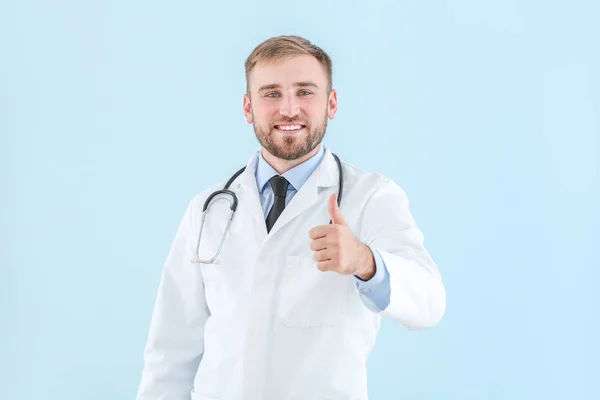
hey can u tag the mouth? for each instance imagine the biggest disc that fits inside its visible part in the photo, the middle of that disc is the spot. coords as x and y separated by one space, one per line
289 129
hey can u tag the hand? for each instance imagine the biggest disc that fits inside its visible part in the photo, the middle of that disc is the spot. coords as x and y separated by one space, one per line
337 249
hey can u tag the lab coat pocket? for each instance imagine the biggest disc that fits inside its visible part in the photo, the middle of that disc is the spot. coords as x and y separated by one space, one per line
310 297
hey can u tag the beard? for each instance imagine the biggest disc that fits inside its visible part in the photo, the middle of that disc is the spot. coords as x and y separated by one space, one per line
291 147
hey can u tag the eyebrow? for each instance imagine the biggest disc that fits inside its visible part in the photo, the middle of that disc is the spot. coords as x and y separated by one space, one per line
278 86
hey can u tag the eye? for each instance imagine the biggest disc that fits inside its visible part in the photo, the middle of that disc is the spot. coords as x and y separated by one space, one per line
272 94
304 93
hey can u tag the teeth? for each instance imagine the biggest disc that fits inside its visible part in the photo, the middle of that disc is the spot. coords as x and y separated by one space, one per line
290 127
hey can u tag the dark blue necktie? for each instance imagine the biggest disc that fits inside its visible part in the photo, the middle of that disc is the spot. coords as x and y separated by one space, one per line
279 185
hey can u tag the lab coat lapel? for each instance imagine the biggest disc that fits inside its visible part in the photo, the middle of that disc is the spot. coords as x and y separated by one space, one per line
325 175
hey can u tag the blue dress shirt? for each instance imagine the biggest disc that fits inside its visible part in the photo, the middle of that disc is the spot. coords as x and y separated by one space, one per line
376 291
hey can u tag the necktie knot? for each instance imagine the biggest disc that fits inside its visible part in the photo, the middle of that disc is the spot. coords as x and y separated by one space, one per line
279 185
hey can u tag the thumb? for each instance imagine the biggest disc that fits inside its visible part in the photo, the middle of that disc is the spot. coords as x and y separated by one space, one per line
334 211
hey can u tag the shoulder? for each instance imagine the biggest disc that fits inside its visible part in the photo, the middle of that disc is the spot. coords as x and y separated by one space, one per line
198 200
371 183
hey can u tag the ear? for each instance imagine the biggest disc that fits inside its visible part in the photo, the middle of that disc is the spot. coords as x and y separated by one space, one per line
332 104
248 109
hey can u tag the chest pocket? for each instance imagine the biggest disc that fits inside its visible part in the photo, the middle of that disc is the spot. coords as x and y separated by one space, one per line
309 297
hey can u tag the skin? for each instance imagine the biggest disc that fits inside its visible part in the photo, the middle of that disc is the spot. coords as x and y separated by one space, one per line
292 93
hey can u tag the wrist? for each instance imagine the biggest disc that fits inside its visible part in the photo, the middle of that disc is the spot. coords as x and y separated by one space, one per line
367 264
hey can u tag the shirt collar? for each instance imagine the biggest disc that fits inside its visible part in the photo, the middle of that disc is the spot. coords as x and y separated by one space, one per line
296 176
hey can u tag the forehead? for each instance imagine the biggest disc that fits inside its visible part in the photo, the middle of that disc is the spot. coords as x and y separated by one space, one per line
286 72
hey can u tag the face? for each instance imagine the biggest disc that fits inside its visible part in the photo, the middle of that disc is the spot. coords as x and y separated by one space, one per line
288 105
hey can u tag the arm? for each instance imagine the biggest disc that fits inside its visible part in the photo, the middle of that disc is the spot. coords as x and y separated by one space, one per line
417 298
175 343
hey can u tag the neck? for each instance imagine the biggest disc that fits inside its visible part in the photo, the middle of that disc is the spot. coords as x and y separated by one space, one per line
282 166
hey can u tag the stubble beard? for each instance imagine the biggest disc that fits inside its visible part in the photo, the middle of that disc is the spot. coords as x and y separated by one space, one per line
291 147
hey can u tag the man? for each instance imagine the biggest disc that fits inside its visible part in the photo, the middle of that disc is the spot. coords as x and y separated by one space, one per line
291 306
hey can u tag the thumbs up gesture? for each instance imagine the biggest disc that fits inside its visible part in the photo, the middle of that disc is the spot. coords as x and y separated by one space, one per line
337 249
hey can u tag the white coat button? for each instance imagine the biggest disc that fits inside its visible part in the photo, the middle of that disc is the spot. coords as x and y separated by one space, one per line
365 290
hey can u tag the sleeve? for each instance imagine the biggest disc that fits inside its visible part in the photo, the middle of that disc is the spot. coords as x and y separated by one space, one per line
176 339
375 291
417 293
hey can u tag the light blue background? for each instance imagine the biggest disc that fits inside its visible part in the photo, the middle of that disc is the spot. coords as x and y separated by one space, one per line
114 114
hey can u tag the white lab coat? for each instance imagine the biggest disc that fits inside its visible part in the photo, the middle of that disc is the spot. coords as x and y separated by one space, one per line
264 323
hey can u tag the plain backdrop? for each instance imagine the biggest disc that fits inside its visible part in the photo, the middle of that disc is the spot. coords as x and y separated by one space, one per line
113 114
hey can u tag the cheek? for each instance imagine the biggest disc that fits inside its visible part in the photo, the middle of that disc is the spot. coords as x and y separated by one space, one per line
265 114
316 112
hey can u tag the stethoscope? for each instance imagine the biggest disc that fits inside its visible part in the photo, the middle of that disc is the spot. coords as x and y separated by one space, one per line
233 207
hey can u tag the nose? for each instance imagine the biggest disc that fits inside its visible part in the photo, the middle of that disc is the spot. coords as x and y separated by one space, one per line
289 107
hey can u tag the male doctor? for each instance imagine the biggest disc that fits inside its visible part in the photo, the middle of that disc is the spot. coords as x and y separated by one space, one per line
291 307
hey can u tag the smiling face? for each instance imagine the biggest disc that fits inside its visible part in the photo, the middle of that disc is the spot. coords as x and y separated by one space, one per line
288 102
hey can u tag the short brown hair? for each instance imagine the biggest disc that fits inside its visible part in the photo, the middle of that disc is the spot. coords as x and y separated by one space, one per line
281 47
